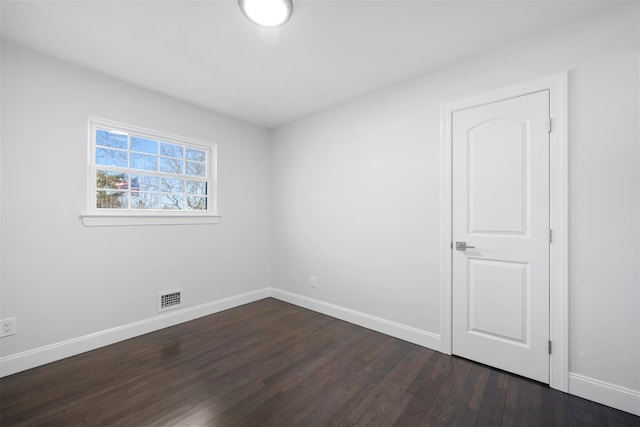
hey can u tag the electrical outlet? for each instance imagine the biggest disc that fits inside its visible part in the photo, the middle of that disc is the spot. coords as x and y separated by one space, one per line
314 281
8 327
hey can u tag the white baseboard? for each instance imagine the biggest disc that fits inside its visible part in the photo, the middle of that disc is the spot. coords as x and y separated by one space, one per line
397 330
589 388
608 394
50 353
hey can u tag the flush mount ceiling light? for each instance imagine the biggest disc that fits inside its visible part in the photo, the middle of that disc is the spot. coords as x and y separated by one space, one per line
267 13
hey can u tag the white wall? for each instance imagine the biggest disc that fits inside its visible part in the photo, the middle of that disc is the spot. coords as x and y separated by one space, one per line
350 195
356 193
62 280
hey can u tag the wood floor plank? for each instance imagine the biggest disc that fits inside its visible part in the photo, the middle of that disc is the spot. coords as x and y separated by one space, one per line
446 404
461 393
270 363
491 406
511 401
387 399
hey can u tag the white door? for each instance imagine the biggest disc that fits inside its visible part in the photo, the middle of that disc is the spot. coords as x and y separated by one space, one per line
501 211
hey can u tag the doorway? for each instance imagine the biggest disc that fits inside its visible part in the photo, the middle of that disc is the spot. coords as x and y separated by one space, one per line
480 277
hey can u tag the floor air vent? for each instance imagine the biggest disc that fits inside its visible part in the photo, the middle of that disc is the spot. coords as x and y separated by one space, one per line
168 300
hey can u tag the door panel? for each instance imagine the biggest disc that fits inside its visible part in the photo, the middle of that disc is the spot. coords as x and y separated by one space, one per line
498 286
501 210
497 176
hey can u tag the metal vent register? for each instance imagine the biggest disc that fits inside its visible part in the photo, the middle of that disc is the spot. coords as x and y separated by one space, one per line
169 300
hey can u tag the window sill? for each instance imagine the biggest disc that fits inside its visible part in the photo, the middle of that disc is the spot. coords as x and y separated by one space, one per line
109 220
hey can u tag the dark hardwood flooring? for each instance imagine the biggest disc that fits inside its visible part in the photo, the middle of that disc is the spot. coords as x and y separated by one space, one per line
274 364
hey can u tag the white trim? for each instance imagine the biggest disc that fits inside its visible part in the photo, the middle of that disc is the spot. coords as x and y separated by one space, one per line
559 223
608 394
599 391
99 217
105 220
50 353
446 236
559 197
387 327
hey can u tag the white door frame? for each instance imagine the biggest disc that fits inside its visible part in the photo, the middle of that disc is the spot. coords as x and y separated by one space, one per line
557 85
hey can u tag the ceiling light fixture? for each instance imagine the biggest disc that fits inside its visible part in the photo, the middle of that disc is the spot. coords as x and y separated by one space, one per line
267 13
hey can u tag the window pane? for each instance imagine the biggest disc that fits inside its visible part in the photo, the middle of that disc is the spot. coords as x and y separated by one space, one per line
145 183
108 139
115 180
144 145
172 185
109 199
196 169
197 155
173 201
144 162
197 187
171 165
142 171
171 150
107 157
144 200
197 203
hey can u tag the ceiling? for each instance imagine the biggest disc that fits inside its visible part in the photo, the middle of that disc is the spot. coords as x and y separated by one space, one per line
205 51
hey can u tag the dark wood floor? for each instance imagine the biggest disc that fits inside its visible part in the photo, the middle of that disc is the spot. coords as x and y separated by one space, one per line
273 364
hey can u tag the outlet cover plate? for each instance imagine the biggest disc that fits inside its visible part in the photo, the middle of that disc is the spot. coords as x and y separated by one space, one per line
8 327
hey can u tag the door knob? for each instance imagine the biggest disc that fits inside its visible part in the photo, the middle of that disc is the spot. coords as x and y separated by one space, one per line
462 246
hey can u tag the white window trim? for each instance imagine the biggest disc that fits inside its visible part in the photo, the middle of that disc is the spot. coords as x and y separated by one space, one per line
106 220
94 217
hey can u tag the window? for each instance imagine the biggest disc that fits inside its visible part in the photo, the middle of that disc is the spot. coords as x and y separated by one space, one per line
140 176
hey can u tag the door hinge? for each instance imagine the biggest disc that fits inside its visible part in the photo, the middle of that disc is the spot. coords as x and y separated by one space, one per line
550 236
549 346
451 245
549 125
